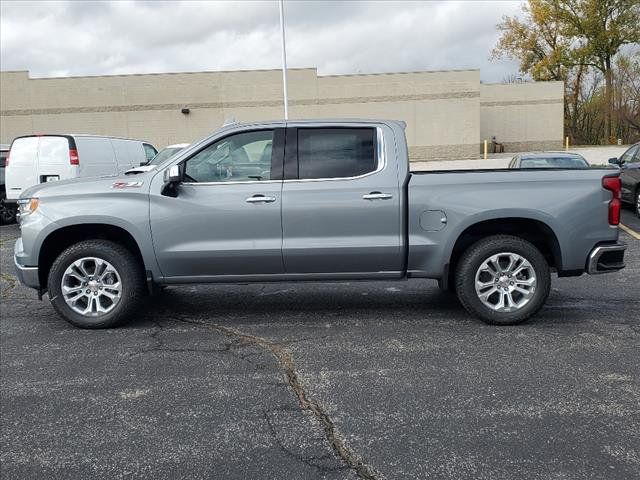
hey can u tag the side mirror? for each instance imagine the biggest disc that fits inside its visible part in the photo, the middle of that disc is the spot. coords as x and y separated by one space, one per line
173 174
614 161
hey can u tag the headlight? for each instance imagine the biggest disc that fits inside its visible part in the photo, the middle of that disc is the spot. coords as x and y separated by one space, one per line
26 206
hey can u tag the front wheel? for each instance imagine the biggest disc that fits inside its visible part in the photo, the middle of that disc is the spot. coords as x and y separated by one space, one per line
503 280
96 284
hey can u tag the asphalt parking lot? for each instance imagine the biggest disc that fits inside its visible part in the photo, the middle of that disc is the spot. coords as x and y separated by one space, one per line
326 381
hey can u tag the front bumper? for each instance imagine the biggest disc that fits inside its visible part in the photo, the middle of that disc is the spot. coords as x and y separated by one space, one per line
26 275
606 258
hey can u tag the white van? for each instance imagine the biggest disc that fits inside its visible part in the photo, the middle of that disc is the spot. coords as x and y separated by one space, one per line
35 159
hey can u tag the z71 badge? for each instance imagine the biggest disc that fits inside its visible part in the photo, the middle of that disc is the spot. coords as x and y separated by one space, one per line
127 185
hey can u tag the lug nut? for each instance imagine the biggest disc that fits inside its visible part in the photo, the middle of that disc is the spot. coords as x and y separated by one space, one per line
88 290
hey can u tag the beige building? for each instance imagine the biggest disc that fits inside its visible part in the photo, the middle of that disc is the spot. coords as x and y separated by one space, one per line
448 113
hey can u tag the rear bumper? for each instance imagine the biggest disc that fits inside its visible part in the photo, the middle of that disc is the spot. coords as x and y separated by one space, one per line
606 258
26 275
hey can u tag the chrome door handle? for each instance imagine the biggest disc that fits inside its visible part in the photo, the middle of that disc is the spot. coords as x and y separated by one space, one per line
377 196
260 199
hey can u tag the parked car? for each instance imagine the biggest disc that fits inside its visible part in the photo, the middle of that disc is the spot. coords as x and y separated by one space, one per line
321 201
629 163
37 159
7 210
167 152
548 160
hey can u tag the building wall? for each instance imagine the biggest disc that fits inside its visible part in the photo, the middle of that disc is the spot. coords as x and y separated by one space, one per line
525 116
444 111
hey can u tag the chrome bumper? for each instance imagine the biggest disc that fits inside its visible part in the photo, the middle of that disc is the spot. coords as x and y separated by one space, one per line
606 258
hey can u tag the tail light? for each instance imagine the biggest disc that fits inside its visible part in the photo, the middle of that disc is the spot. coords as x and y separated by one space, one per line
73 157
613 184
6 160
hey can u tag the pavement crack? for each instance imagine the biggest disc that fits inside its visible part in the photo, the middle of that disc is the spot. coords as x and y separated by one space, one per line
311 461
337 443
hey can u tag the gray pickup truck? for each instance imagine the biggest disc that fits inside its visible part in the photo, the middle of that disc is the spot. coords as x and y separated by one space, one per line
314 201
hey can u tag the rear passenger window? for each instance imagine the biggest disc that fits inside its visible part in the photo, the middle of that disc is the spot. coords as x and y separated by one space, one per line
336 152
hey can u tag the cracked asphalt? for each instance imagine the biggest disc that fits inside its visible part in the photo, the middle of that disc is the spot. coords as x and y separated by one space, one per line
325 381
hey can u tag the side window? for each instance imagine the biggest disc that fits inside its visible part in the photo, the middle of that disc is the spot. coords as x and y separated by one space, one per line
336 152
149 151
627 157
241 157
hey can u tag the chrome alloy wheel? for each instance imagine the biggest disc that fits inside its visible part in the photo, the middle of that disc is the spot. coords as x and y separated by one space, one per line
91 286
505 282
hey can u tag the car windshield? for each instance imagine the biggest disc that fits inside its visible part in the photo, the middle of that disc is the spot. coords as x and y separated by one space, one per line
554 162
164 154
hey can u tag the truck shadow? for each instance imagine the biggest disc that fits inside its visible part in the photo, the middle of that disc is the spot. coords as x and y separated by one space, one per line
314 304
306 303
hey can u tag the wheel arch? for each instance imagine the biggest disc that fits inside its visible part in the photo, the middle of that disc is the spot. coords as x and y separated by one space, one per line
60 239
535 231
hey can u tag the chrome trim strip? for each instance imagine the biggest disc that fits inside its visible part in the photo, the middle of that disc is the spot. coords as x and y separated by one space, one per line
248 182
382 158
283 277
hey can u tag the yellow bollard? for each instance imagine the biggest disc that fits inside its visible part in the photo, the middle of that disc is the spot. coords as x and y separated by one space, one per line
566 143
485 149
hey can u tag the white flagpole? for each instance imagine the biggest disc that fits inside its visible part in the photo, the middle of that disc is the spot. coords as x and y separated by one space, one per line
284 61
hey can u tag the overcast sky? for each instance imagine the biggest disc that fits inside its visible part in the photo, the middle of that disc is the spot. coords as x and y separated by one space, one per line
94 38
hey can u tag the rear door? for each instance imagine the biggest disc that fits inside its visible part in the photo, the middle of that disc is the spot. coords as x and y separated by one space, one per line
54 159
341 203
22 171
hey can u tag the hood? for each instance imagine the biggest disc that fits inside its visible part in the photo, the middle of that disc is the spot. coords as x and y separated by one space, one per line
89 185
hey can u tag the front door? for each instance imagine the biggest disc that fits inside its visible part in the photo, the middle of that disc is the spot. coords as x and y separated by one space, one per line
341 209
224 219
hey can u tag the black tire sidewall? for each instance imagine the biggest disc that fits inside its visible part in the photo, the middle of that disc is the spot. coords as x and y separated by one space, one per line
478 253
122 260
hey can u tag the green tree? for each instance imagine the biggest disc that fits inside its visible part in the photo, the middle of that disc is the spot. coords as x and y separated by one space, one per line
562 39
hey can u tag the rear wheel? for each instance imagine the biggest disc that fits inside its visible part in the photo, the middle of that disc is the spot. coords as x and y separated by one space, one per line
503 280
96 284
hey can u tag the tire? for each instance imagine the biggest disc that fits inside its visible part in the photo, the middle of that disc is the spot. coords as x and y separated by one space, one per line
637 202
532 275
7 211
121 269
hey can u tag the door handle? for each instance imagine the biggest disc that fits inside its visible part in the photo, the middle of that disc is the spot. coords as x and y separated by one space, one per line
260 199
377 196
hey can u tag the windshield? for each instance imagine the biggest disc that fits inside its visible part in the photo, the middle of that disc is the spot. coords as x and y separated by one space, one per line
163 155
554 162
